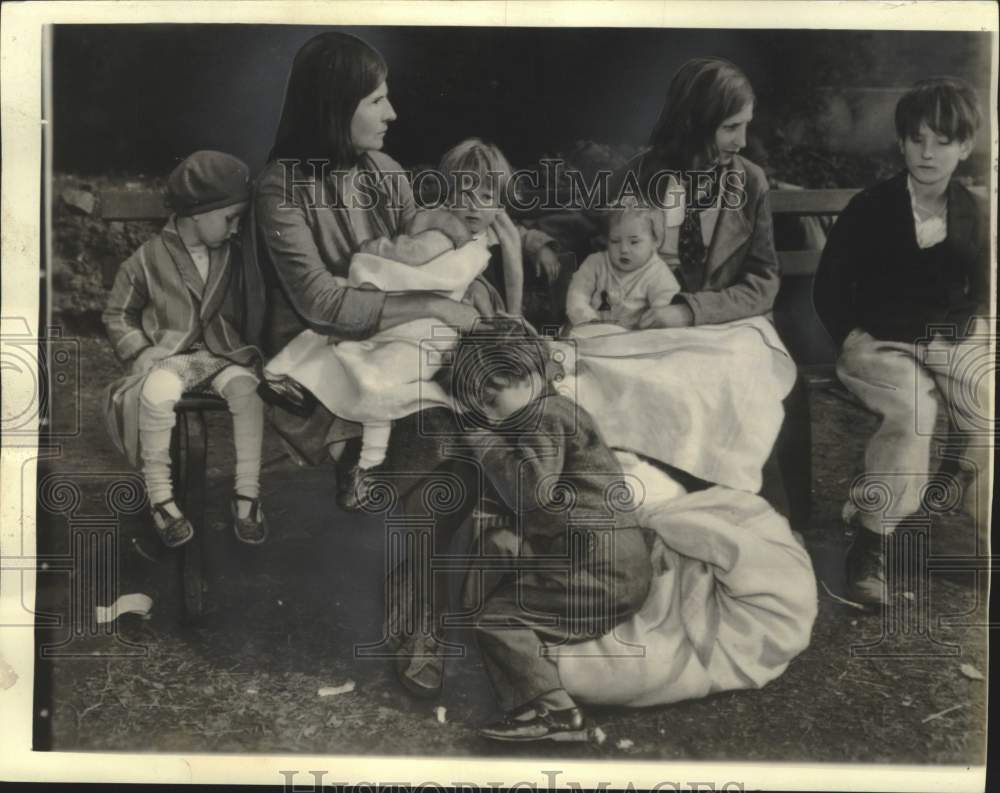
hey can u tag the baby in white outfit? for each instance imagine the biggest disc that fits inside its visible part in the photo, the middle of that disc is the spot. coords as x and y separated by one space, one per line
620 284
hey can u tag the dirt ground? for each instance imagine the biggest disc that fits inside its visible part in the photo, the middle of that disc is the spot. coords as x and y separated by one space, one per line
288 615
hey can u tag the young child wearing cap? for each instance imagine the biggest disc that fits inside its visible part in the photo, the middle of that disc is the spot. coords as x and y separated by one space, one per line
174 316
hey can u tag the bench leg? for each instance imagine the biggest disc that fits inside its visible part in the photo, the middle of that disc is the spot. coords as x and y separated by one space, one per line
787 473
190 457
795 454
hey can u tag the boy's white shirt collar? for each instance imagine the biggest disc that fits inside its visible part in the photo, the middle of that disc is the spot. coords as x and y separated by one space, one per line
932 230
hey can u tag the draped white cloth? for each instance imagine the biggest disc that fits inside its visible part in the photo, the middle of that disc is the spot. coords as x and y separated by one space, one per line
733 600
705 399
388 375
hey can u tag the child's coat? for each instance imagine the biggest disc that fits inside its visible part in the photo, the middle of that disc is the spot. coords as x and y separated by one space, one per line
159 299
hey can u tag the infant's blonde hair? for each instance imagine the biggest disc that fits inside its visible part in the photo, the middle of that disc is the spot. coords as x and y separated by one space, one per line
653 217
474 155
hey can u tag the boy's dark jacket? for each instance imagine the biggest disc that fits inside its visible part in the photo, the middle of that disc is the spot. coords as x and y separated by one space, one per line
874 276
552 469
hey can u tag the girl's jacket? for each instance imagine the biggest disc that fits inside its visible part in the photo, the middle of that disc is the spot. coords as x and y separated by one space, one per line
159 299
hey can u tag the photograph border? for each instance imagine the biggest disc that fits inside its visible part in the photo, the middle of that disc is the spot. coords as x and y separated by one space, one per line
22 33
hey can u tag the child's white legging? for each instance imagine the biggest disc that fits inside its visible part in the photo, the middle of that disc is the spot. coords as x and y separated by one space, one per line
160 392
374 443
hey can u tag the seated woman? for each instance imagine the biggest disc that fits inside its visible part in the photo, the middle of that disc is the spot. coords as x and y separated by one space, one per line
313 210
326 191
388 375
711 405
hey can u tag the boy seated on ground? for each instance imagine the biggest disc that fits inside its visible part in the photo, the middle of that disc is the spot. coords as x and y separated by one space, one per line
903 288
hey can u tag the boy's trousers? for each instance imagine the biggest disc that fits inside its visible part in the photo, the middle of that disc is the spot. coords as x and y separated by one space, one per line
602 580
905 385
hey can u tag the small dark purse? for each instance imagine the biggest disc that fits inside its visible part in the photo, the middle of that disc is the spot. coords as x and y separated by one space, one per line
286 393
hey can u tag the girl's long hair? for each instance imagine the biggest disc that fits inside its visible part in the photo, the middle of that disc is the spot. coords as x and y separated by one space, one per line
330 75
702 94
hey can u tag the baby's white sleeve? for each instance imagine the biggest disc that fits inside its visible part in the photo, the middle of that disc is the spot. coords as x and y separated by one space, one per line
581 292
662 287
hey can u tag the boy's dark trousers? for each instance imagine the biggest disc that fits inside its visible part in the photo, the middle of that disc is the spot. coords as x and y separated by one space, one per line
592 581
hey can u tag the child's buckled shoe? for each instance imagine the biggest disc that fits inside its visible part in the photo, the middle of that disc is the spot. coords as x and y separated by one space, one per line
173 530
252 529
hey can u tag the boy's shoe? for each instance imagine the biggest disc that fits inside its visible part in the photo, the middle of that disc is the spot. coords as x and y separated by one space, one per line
419 668
173 530
535 722
253 528
865 568
355 488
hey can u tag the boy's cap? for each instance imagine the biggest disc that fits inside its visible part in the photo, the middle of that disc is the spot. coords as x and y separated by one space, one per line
207 180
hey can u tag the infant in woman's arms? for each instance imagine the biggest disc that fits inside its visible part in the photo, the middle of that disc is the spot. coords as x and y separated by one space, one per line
431 233
621 284
377 380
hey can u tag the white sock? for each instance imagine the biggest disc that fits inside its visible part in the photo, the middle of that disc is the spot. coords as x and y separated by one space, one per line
374 443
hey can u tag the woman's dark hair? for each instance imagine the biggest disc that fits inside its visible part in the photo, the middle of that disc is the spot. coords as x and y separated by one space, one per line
702 94
330 75
947 105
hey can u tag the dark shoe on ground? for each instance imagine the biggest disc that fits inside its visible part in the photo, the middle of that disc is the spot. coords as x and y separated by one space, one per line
866 570
173 530
253 528
355 488
535 722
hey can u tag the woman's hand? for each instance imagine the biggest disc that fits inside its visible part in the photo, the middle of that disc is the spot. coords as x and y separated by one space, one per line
146 359
548 262
676 315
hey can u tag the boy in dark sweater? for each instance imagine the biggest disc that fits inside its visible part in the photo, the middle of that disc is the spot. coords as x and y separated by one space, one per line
567 499
903 288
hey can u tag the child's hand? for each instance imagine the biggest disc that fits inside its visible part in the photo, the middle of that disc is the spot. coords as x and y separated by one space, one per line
548 261
513 263
507 231
146 359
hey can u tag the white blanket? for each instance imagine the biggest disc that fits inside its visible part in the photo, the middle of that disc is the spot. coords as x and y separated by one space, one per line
707 399
733 600
386 376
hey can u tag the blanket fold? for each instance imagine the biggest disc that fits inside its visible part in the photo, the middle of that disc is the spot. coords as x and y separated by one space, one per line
689 393
388 375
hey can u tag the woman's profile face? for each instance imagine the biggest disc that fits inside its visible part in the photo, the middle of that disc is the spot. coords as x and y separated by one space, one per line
731 135
371 120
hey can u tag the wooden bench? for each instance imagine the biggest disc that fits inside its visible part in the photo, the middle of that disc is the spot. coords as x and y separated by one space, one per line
794 315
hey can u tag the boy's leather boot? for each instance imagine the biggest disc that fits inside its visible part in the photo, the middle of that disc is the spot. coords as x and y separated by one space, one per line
866 569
